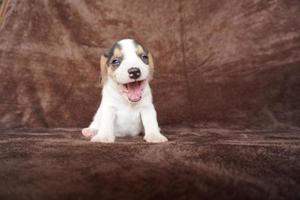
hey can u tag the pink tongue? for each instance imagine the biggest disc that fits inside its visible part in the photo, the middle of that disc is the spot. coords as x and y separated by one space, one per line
134 91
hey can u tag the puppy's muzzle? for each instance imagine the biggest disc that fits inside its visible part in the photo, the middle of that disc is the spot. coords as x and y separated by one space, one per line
134 73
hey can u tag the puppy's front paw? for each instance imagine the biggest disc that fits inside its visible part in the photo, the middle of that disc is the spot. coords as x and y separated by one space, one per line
88 132
155 138
103 138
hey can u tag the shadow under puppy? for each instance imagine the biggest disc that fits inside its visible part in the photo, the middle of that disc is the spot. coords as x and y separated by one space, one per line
126 108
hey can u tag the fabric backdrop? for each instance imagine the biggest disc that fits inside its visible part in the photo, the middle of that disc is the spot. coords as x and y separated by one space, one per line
219 61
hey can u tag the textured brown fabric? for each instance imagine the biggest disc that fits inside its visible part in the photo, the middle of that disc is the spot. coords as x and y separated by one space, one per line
197 163
233 62
244 60
228 62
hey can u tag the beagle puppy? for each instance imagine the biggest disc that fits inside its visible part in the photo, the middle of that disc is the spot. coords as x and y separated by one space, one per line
126 108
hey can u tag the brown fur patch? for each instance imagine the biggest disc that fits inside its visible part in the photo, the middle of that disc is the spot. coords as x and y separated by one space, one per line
117 53
103 68
3 9
151 66
107 69
139 50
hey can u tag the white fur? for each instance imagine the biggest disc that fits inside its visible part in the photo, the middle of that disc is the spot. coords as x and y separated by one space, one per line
117 116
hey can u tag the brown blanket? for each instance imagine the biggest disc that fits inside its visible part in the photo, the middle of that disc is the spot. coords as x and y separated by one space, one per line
219 63
223 61
197 163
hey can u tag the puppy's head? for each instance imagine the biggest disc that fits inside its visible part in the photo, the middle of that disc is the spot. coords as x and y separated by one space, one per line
129 65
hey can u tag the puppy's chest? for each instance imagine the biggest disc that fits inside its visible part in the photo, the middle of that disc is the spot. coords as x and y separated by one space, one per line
128 122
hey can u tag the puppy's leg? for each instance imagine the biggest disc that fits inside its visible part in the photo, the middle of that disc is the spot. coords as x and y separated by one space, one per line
152 132
91 131
105 131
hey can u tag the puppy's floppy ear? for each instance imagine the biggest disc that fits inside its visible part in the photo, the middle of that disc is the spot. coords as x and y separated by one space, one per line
103 68
151 65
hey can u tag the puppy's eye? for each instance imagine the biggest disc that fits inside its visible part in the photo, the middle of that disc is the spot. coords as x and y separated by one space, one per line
144 58
116 62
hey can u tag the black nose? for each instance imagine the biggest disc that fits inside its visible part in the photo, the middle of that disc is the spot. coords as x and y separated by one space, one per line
134 73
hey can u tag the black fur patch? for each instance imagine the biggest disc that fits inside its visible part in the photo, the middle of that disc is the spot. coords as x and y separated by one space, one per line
108 54
136 44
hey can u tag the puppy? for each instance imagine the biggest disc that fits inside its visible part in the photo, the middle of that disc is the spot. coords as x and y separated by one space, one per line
126 108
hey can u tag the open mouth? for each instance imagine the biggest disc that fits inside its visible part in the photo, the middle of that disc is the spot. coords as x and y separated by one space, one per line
133 90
